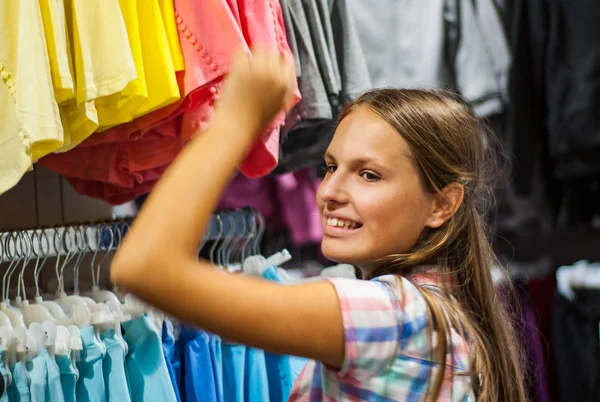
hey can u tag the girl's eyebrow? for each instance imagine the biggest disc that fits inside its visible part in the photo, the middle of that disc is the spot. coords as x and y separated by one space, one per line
360 162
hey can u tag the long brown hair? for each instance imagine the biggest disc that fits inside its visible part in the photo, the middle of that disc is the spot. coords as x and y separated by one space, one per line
449 145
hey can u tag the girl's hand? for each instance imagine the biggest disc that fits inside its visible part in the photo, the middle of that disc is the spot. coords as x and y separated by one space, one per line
257 88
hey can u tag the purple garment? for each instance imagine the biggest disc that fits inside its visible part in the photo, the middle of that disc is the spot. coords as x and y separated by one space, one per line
538 387
286 201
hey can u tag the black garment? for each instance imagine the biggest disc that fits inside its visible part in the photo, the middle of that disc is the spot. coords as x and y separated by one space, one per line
573 86
555 88
576 346
305 145
526 110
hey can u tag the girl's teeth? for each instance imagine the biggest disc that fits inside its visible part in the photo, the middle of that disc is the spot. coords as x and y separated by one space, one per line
341 223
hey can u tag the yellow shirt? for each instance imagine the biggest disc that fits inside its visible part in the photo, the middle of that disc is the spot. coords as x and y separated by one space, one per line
167 10
28 110
159 67
53 16
119 108
102 60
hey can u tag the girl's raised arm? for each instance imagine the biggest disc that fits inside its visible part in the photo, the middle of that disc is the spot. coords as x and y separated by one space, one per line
157 260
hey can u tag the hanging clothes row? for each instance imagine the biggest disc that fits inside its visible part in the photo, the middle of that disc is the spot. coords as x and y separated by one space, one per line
103 345
107 92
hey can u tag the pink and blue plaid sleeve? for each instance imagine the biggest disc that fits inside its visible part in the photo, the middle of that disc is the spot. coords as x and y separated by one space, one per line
372 325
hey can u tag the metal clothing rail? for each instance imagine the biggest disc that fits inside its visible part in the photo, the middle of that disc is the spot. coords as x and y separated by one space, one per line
104 236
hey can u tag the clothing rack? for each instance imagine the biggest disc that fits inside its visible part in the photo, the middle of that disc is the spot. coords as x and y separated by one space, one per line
105 236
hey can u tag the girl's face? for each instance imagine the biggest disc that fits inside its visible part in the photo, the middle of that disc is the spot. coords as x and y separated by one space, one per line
372 202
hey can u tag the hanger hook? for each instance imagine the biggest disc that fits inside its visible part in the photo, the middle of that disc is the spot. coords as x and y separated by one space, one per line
81 229
214 245
242 237
26 239
10 257
249 231
16 238
61 239
228 238
259 235
41 234
107 251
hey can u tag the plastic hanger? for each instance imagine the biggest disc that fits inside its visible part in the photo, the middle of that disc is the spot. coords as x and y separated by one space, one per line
43 248
4 319
211 253
121 295
14 314
75 306
227 241
31 312
98 295
76 346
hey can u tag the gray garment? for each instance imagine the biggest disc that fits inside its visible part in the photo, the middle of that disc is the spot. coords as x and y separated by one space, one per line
495 40
320 30
291 35
315 100
434 44
351 58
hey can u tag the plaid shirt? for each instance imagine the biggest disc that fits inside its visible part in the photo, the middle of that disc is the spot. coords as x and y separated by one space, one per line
388 349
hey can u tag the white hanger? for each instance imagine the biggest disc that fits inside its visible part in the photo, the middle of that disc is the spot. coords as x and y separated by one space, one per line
76 346
22 344
14 314
96 293
75 306
54 308
31 313
5 341
582 274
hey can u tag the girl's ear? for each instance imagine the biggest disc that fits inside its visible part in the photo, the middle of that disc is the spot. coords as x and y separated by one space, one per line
445 205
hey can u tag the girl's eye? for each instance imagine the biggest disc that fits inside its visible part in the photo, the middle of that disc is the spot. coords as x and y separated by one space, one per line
330 168
370 176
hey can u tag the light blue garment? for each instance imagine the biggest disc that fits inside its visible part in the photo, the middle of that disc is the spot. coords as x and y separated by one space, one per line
36 369
4 388
197 369
169 350
216 359
90 386
279 368
19 389
113 366
68 377
256 384
145 363
54 392
234 357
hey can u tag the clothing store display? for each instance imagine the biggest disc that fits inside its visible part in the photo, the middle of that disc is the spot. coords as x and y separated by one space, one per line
369 349
91 384
113 366
145 363
174 71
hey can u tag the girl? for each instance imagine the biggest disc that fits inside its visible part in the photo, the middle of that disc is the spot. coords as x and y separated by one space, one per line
403 199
